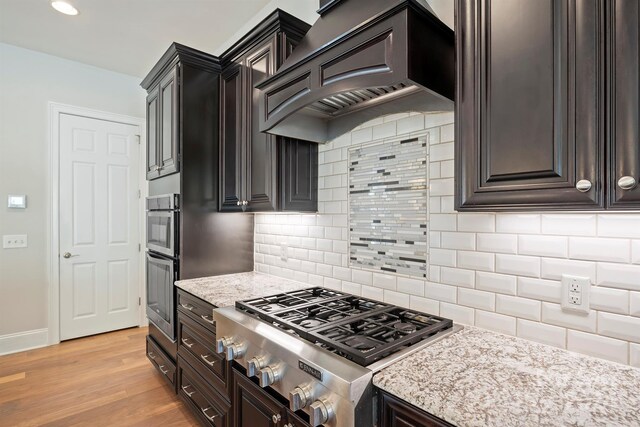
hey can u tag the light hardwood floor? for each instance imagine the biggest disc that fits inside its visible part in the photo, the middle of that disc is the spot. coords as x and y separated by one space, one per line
103 380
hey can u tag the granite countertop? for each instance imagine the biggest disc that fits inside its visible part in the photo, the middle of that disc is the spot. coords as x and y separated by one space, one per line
225 290
482 378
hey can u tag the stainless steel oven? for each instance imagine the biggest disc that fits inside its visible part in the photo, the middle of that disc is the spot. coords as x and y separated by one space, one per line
162 224
162 261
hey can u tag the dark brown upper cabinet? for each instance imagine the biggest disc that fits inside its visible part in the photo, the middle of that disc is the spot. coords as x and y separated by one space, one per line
547 105
170 87
261 172
623 67
529 110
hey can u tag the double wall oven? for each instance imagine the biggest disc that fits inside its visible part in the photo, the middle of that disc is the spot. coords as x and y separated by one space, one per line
162 261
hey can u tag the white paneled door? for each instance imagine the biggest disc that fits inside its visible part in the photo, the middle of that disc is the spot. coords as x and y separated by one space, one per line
99 231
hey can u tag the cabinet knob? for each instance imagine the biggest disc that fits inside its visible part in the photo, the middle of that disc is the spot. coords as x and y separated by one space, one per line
238 203
276 418
627 183
245 203
583 185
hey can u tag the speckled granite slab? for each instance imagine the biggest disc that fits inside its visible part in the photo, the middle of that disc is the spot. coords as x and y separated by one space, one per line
223 291
481 378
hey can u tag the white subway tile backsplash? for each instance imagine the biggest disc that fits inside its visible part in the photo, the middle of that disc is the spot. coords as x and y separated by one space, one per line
497 243
410 286
496 322
597 346
547 246
555 268
480 223
477 299
516 223
569 224
608 299
424 304
635 251
543 290
439 292
545 334
410 124
498 283
634 353
618 326
599 249
634 304
619 225
619 276
518 265
452 240
458 277
457 313
528 251
553 314
518 307
476 260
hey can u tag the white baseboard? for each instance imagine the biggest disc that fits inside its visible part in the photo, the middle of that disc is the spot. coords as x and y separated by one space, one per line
21 341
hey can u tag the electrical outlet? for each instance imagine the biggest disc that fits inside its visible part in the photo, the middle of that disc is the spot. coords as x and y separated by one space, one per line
575 293
14 241
284 252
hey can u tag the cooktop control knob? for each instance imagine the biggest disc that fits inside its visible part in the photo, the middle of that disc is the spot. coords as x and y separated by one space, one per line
299 398
234 351
221 343
320 412
268 375
255 364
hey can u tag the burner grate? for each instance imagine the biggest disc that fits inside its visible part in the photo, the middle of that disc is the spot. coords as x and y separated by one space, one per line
356 328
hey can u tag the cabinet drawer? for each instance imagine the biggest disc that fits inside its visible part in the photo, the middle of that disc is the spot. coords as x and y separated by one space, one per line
197 345
199 310
397 412
161 361
203 401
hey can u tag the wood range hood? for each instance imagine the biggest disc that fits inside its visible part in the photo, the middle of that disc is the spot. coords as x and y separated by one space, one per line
361 59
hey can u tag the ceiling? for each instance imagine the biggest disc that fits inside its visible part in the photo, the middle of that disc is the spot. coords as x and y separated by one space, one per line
127 36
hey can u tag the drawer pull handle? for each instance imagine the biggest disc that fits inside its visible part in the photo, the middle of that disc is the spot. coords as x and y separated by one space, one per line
206 319
186 342
187 306
204 357
185 387
583 185
151 355
164 371
627 183
212 418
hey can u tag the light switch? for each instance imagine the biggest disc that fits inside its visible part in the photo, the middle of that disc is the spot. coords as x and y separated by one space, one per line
14 241
17 201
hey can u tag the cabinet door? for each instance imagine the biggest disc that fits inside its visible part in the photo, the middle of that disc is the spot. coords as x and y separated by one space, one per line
299 175
153 106
231 139
253 407
261 148
528 105
169 112
395 412
624 103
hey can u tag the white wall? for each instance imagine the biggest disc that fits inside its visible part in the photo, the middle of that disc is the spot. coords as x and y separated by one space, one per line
28 81
496 271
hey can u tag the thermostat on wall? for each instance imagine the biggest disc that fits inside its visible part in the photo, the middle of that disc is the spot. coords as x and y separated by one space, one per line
17 202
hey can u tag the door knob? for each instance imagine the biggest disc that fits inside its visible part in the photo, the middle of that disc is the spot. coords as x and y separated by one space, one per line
68 255
627 183
583 185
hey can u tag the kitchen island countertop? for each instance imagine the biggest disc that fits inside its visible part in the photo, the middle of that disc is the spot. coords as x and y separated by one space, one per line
482 378
225 290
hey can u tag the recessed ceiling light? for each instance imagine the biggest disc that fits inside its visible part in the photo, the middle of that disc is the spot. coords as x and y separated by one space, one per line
64 7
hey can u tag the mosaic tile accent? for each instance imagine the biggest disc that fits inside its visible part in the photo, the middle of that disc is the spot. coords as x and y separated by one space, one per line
388 206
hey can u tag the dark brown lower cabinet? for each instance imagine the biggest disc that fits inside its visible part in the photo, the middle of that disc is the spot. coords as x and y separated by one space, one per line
395 412
255 407
208 406
161 361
